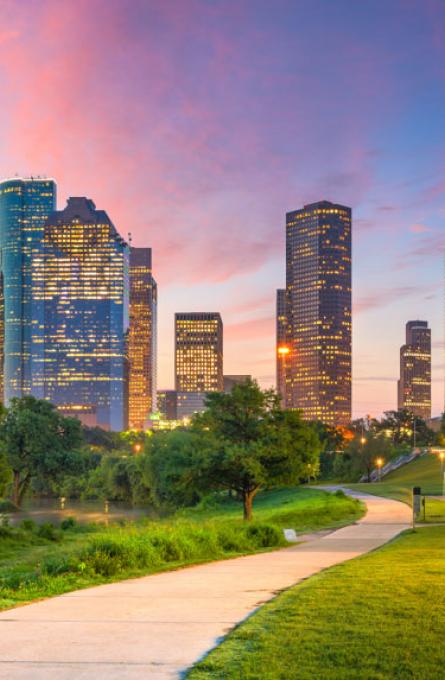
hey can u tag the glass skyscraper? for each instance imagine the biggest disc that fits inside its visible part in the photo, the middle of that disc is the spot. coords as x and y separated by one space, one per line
24 206
84 275
318 310
142 339
414 386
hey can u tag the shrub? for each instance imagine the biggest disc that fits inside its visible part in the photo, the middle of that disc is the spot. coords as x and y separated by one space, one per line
48 531
28 525
68 523
265 535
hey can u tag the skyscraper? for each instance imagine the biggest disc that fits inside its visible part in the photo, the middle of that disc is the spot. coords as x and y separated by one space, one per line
199 352
282 348
414 386
84 270
142 339
24 206
318 310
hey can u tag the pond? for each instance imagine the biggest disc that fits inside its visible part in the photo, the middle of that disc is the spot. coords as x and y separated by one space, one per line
54 510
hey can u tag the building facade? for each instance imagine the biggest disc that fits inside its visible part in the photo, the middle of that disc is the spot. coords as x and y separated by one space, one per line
231 380
318 312
24 206
199 352
282 348
85 273
142 339
414 386
167 402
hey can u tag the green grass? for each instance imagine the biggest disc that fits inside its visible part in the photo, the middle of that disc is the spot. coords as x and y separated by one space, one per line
378 617
34 567
424 472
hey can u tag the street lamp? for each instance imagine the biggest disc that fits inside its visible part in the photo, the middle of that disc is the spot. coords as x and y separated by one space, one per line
137 448
362 440
379 463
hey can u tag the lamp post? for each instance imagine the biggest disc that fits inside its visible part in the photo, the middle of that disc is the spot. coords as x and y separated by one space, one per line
379 463
137 448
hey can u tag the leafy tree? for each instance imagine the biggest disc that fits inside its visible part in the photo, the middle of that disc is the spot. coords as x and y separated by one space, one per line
254 443
38 441
171 466
359 457
399 426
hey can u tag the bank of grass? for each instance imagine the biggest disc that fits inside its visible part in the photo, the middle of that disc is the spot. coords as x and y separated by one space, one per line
425 472
381 616
41 562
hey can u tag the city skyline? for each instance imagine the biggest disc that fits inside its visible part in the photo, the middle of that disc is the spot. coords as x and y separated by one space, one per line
213 163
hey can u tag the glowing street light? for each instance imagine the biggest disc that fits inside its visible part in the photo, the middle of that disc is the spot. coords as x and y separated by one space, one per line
379 462
137 448
362 440
283 350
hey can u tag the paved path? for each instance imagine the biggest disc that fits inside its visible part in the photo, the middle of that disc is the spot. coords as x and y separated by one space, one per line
154 627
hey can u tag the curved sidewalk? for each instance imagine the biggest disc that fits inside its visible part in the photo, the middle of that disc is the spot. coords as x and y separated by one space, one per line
157 626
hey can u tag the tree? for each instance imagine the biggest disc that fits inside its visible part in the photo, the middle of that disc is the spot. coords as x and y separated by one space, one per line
399 426
359 458
255 444
38 441
171 467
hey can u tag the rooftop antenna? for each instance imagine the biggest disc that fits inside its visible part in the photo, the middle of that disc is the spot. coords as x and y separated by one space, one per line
130 238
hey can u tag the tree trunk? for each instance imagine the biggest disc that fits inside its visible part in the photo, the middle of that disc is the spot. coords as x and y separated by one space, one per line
19 488
16 489
248 497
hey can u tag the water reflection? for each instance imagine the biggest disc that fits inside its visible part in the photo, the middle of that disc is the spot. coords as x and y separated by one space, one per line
54 510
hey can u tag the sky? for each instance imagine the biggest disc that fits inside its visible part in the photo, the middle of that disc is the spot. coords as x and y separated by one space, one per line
197 124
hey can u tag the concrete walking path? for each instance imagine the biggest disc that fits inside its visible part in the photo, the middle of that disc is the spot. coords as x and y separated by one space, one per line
157 626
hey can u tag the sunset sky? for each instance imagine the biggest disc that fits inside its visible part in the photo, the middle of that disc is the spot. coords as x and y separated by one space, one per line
196 125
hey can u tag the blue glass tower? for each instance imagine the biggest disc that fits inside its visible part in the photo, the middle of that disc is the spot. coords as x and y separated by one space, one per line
85 274
24 206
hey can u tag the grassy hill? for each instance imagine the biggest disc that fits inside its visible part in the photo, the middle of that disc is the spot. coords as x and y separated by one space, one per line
424 472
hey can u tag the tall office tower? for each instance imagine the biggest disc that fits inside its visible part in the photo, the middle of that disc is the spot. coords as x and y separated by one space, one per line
24 206
318 293
414 386
199 352
84 268
282 348
141 339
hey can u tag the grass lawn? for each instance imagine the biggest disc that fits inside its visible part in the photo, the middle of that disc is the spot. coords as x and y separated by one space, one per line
424 472
33 566
377 617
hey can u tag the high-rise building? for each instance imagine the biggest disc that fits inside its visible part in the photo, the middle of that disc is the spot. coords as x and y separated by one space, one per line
231 380
282 348
142 339
414 386
318 306
24 206
199 352
167 401
84 270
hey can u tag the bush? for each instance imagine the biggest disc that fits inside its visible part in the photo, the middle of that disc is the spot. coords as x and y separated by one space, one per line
68 523
8 506
340 493
28 525
48 531
265 535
